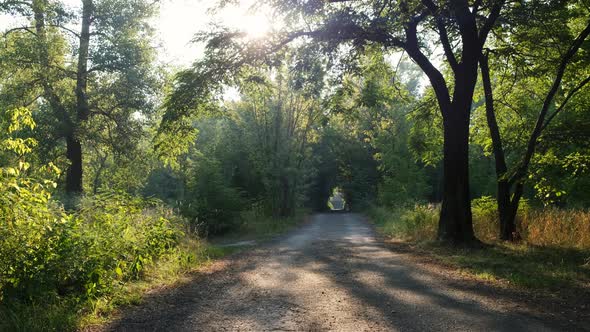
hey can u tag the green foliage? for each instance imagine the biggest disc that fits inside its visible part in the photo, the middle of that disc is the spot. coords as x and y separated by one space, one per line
117 236
255 223
304 124
524 62
418 223
48 253
211 204
120 83
108 241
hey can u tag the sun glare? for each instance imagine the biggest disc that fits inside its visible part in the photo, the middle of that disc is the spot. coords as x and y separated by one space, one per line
255 25
179 20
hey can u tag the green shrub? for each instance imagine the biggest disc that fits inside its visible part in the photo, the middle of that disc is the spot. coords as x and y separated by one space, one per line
107 241
116 236
34 235
257 223
418 223
212 205
50 258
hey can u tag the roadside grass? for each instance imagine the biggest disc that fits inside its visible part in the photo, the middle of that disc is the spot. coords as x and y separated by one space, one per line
71 313
169 271
531 264
76 311
257 226
191 256
522 265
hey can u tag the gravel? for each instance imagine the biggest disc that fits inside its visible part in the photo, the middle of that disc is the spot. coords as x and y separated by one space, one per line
332 274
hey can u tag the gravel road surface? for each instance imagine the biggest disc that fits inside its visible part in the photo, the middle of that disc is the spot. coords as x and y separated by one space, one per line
332 274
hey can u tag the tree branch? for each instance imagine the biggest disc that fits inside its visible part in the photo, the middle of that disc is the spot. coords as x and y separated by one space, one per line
500 158
442 31
27 29
437 80
490 21
570 94
577 43
444 38
77 35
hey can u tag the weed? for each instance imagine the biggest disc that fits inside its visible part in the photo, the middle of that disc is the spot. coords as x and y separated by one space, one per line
552 255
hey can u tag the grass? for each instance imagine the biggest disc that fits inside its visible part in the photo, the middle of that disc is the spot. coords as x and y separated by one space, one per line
551 256
58 313
70 313
522 265
259 227
173 269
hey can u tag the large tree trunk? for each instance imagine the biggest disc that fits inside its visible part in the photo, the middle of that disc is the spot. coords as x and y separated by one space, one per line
456 222
74 152
74 178
455 225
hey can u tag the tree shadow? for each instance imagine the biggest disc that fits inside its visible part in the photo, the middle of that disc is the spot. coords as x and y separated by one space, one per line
328 275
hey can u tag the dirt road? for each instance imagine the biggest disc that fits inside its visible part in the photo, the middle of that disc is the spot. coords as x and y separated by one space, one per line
330 275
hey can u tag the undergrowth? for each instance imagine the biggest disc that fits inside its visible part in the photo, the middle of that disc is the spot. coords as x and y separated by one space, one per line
61 269
554 252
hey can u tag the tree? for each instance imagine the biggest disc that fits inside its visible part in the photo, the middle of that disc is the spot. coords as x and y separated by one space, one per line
280 116
371 116
460 26
110 78
560 60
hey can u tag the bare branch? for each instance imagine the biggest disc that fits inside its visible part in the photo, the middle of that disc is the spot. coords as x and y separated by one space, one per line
27 29
65 29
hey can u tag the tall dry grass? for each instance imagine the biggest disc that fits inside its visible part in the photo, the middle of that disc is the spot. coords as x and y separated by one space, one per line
546 227
556 227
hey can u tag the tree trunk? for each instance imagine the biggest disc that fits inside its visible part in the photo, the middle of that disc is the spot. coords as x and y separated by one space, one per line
505 206
74 173
74 176
506 211
455 225
285 201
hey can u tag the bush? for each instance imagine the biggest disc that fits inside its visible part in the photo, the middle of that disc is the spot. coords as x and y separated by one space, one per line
419 223
52 262
108 240
486 223
116 236
257 223
34 234
211 203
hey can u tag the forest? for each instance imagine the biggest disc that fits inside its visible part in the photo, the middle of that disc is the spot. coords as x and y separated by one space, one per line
461 126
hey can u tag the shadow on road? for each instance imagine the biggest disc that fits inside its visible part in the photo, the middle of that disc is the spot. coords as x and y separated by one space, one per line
329 275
